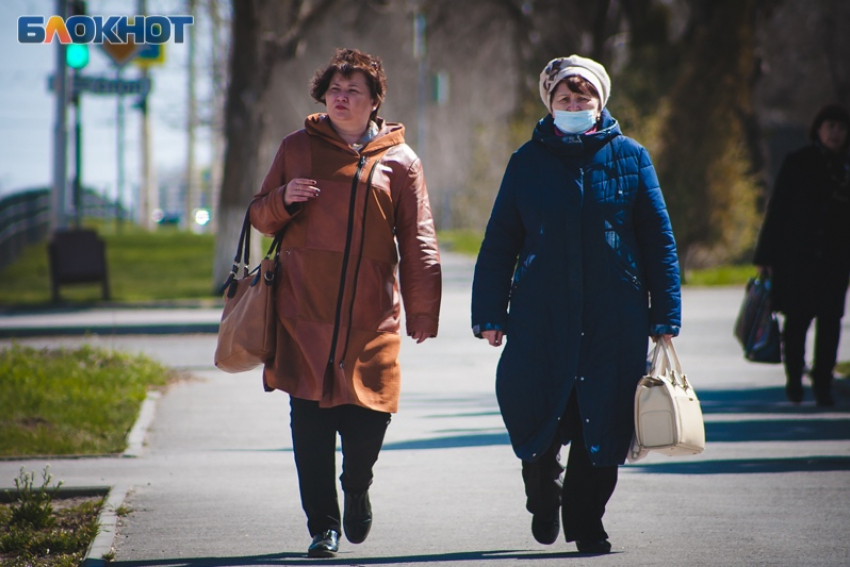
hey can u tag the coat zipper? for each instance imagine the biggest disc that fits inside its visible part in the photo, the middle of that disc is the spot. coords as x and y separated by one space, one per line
359 259
345 257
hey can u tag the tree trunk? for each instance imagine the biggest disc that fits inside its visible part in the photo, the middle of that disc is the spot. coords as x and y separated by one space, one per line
265 34
243 129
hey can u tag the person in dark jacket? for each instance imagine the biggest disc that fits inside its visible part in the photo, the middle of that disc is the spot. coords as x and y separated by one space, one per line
359 240
578 241
804 247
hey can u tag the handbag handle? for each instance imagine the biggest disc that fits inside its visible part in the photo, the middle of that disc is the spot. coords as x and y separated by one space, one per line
243 250
669 361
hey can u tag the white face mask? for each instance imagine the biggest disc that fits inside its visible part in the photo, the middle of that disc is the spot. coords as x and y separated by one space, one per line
574 122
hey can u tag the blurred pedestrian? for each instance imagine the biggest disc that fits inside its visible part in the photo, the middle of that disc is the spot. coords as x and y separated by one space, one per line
578 240
804 247
351 195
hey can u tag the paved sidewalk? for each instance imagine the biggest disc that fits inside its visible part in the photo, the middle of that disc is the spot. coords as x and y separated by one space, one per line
110 321
215 483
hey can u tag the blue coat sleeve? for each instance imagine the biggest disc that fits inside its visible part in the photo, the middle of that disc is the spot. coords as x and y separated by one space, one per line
658 250
497 257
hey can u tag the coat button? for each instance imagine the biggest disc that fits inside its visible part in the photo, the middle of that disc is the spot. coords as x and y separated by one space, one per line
587 420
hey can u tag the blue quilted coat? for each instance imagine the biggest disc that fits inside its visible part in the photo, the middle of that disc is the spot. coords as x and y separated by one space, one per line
578 243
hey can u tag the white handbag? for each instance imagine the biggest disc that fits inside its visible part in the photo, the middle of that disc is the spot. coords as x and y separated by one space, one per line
668 417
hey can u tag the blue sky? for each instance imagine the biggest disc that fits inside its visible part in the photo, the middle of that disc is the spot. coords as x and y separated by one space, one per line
27 108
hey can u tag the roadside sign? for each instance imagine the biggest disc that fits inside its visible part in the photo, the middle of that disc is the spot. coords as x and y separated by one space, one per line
150 55
121 53
106 85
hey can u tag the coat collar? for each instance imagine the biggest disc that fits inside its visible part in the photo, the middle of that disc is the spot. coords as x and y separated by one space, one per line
576 144
389 134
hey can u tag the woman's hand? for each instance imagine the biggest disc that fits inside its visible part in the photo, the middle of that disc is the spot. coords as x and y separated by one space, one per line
667 338
300 190
420 336
493 337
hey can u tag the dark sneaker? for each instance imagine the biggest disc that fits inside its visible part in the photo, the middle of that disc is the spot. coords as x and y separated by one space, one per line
794 392
824 399
325 544
546 527
595 546
357 518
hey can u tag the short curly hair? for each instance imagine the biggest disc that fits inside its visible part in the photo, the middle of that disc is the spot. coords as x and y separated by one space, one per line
346 62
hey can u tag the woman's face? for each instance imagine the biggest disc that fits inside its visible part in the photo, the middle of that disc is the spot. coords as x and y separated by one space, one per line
349 101
833 134
565 99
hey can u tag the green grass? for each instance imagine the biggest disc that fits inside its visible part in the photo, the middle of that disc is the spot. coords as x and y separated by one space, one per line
40 528
71 401
466 242
171 265
721 275
142 266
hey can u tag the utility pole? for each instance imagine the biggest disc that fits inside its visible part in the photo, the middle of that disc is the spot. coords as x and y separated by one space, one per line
191 179
119 189
148 194
419 52
219 64
60 134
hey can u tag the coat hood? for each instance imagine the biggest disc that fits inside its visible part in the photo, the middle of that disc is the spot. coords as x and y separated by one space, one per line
389 134
576 144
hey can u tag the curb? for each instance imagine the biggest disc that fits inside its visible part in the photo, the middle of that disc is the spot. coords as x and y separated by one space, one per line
155 329
136 437
107 521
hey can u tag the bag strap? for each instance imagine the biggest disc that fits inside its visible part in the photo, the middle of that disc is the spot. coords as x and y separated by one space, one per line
243 247
243 256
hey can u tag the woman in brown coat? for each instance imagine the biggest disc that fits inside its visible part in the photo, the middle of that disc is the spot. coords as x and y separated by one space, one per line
351 197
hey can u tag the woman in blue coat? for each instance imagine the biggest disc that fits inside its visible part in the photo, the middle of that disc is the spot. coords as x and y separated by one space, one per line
577 269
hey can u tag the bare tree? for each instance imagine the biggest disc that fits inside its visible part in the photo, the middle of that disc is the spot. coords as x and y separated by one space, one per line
265 33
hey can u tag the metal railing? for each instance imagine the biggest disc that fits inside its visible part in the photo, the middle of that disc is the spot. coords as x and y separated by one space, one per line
24 220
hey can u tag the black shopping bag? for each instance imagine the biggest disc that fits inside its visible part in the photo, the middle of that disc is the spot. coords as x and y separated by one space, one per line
756 327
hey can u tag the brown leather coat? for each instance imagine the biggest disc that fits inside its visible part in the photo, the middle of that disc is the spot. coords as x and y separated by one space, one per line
337 293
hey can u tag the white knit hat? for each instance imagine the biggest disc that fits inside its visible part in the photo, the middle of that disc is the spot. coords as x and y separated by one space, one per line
560 68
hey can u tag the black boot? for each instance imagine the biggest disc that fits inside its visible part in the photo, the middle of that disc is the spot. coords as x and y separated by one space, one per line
594 546
325 544
543 491
546 527
822 387
794 390
357 518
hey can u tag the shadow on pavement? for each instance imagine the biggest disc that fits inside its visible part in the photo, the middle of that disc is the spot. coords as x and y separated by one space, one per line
804 422
777 430
755 400
341 559
478 440
741 466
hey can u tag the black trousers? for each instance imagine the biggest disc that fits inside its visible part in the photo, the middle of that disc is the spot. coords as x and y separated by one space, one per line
585 490
314 431
827 336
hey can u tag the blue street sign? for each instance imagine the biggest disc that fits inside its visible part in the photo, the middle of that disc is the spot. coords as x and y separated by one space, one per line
106 85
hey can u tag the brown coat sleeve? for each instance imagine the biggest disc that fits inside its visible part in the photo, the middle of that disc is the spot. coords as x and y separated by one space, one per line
268 213
420 275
